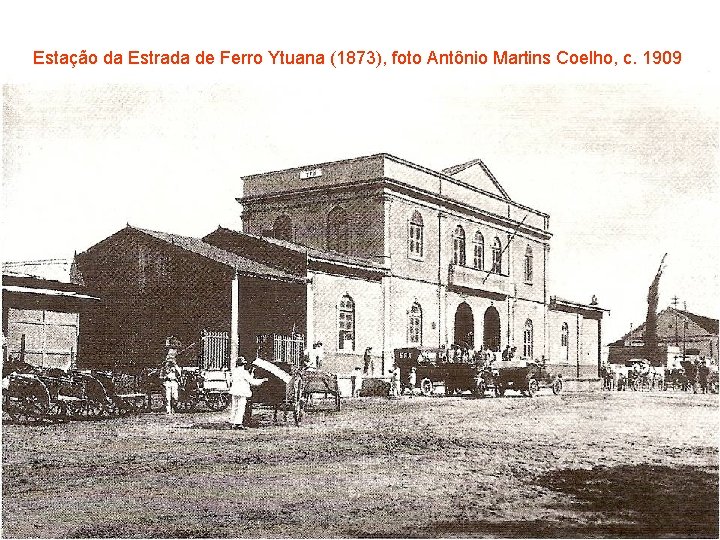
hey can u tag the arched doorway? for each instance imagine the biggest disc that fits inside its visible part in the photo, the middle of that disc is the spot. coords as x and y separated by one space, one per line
464 326
491 329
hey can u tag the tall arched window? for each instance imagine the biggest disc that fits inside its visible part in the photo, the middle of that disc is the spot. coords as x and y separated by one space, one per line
282 228
416 235
337 230
496 256
564 340
346 324
528 264
528 340
415 325
478 251
459 246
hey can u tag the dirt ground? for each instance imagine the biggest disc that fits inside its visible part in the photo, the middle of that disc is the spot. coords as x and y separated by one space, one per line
619 464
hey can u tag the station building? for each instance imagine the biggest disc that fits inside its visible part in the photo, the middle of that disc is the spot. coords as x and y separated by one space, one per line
372 252
464 263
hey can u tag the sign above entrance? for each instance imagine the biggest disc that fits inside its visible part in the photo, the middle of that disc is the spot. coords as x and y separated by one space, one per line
312 173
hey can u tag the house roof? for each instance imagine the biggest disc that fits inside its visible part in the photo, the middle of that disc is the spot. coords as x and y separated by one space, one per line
706 323
243 265
314 253
14 282
457 169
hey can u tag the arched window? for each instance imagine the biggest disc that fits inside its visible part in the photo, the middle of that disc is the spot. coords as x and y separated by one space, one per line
415 325
564 339
416 235
459 246
528 264
478 251
282 228
346 324
496 256
528 340
337 230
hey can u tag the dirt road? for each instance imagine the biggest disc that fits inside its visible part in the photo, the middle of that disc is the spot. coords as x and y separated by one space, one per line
605 464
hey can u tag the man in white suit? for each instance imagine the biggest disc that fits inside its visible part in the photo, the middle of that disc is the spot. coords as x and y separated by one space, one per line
240 391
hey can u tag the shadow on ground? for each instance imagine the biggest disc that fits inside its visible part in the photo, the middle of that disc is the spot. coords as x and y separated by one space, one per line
640 501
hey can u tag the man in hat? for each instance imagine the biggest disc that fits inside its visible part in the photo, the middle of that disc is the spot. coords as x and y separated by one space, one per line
240 391
170 375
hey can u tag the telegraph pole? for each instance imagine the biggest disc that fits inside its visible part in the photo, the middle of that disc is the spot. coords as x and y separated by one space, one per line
675 304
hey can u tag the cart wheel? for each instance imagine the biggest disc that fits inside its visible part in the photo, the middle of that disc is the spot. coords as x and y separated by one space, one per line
188 405
533 387
557 386
157 403
426 387
217 401
31 403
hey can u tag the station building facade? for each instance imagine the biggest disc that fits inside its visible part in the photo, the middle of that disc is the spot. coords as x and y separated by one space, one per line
460 261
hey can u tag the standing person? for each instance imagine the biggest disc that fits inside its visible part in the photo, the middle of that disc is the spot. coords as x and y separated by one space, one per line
170 375
412 380
357 379
395 382
368 364
318 354
240 391
506 352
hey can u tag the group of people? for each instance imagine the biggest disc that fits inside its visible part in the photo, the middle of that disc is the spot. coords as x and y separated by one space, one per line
241 383
693 375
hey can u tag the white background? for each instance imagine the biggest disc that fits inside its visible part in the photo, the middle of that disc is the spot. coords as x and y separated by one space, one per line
623 158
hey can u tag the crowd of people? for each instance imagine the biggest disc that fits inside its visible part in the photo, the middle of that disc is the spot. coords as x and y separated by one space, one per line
696 375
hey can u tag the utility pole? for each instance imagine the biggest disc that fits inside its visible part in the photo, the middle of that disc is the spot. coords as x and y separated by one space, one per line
675 304
685 325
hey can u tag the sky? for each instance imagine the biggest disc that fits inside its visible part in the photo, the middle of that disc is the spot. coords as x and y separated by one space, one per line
625 162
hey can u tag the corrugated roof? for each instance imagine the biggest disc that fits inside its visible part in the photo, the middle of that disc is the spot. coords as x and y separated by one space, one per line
243 265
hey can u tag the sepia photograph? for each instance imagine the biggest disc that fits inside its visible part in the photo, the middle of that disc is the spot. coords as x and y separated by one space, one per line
334 298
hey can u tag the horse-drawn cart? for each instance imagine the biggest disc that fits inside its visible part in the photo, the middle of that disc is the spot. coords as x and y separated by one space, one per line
285 388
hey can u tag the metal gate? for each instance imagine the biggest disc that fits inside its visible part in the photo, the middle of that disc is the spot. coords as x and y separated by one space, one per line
281 348
215 350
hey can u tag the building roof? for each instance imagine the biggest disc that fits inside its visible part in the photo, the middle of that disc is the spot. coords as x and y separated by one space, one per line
708 324
243 265
23 284
314 253
462 167
591 310
58 270
450 174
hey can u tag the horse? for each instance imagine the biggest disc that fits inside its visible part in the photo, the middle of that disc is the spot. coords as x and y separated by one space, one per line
277 392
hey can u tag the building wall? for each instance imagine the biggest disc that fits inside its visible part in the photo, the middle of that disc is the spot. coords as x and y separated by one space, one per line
152 290
328 290
309 217
580 359
41 330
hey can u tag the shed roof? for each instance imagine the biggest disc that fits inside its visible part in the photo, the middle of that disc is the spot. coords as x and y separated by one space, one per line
243 265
